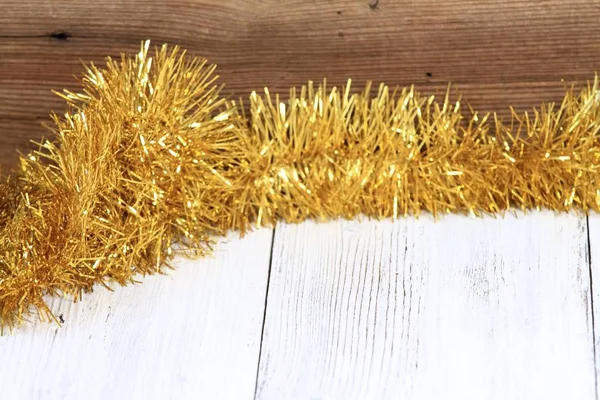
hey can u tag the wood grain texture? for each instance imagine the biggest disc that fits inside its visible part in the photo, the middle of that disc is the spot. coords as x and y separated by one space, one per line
594 242
192 335
17 136
459 309
498 53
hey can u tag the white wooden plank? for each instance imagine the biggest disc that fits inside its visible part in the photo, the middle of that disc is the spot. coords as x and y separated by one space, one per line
194 334
594 242
459 309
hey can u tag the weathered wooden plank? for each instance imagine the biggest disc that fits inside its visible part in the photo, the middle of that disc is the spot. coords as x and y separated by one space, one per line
17 136
458 309
498 53
594 243
192 335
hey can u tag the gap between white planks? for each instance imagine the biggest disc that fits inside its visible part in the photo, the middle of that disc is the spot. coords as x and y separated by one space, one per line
414 309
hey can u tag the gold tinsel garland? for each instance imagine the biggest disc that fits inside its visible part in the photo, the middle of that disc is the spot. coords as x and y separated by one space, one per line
149 155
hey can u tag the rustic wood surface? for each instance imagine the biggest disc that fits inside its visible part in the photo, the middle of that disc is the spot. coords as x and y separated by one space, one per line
594 245
498 53
415 309
194 334
460 309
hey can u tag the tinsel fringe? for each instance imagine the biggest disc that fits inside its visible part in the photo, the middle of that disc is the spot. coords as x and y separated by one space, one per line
150 155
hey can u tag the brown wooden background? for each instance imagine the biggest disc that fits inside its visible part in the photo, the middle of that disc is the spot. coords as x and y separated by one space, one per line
497 52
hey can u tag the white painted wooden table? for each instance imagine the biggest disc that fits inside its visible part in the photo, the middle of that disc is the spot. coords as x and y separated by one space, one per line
461 309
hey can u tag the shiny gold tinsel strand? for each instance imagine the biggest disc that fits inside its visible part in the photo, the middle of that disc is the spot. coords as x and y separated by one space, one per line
328 154
149 155
134 168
